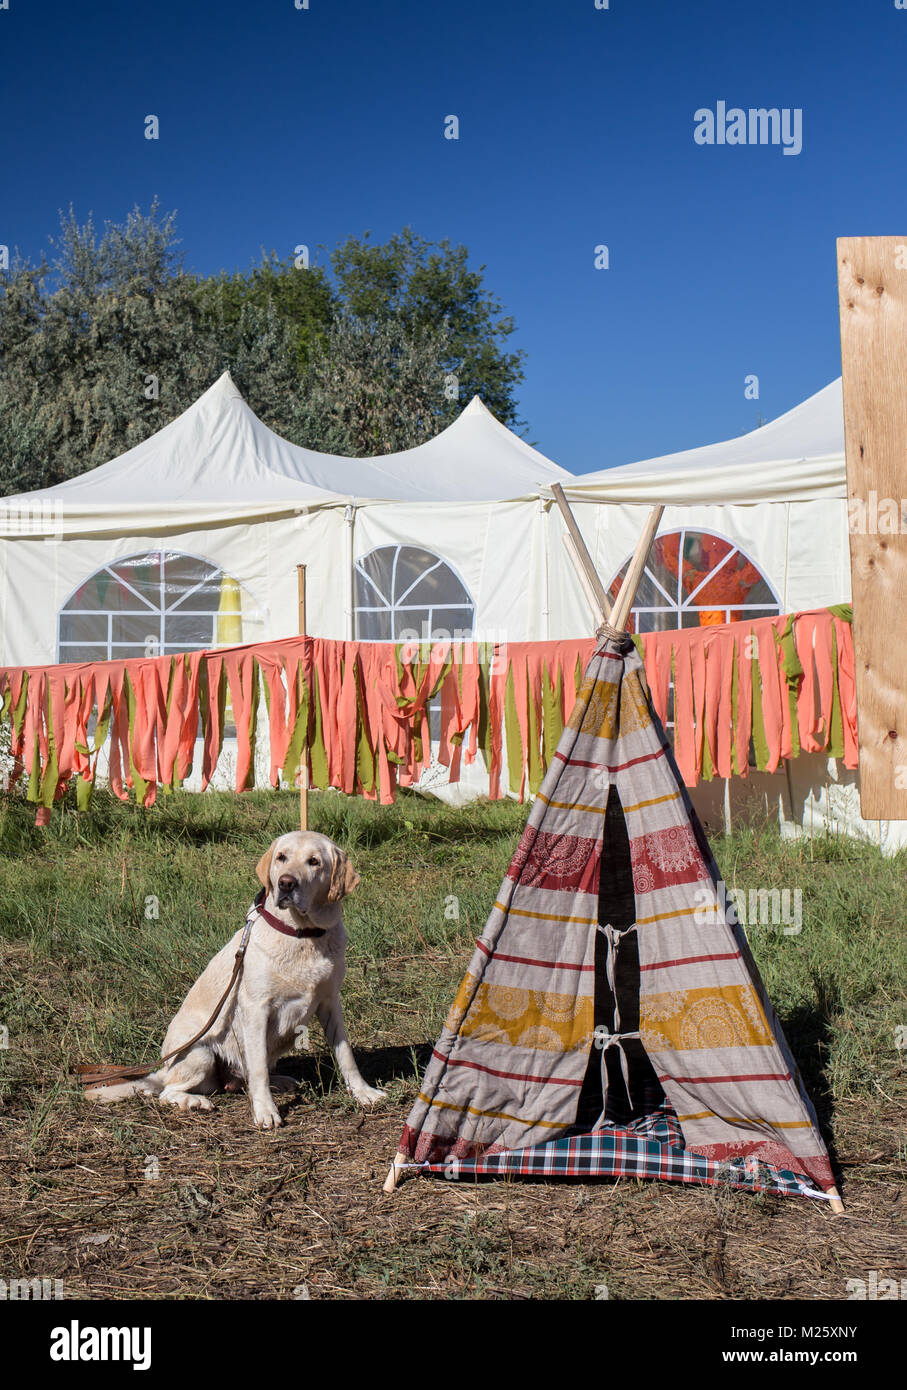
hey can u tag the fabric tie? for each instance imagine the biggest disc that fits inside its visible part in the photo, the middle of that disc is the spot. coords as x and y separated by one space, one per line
603 1037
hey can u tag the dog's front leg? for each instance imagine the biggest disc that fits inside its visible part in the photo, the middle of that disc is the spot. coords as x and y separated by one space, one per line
255 1055
330 1016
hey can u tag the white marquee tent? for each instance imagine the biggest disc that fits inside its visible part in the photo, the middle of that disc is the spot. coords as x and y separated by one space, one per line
192 539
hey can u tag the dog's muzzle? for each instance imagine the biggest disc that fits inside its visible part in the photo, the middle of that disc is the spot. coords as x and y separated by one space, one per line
292 893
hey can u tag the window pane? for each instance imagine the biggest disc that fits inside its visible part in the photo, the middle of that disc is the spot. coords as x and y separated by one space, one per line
187 630
412 562
378 567
132 651
83 627
454 623
135 628
648 595
412 625
83 652
103 590
440 586
182 573
373 627
143 574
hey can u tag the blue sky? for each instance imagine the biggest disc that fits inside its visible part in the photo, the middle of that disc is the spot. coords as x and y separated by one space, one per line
281 126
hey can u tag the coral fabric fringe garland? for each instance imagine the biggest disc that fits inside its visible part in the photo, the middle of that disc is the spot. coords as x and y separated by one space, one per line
767 688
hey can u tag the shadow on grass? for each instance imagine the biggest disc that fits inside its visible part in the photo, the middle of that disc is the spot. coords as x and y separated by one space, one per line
809 1033
378 1067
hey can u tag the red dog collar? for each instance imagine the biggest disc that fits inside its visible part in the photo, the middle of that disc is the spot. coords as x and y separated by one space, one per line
276 923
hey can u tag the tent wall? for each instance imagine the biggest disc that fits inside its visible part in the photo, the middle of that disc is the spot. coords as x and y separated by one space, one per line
497 550
38 576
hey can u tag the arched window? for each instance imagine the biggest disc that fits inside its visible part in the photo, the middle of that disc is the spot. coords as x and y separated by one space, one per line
156 603
406 593
697 579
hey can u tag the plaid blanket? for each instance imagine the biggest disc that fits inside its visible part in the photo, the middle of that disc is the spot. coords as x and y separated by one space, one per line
651 1147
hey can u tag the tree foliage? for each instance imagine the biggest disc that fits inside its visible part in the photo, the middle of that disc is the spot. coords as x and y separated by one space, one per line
112 337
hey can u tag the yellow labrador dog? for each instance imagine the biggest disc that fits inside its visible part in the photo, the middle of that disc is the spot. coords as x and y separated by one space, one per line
293 969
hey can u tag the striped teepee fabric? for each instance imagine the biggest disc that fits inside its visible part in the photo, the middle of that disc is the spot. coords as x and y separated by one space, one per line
507 1071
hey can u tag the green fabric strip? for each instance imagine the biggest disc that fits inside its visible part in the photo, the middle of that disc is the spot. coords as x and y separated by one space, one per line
760 742
318 755
513 740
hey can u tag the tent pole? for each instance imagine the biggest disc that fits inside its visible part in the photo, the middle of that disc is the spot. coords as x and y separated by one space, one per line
836 1204
303 752
624 601
580 555
394 1176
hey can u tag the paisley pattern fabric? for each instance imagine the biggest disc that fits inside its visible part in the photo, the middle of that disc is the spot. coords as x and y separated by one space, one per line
507 1071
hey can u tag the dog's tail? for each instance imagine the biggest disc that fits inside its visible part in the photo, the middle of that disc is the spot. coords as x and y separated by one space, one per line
148 1086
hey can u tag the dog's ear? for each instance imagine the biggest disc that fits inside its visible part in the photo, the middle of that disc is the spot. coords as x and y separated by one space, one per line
343 877
263 867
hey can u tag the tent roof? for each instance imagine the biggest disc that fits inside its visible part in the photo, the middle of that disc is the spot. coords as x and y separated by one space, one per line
796 458
219 452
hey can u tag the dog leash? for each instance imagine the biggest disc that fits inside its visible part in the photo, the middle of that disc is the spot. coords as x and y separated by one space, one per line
108 1076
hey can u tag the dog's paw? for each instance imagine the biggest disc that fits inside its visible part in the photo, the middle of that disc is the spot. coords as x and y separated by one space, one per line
185 1100
368 1095
266 1116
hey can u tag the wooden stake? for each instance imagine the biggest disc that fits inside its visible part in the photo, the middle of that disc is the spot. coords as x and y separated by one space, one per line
624 601
396 1172
836 1204
582 555
304 751
872 289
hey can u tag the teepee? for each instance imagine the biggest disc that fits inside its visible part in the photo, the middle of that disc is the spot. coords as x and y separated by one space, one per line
612 1019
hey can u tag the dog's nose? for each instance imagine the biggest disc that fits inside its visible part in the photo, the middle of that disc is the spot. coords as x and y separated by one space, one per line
286 883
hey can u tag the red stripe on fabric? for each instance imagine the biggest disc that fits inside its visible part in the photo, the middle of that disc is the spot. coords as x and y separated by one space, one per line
549 964
690 960
618 767
743 1076
507 1075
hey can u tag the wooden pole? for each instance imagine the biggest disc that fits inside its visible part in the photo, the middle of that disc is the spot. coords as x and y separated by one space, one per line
304 751
872 289
582 554
836 1204
624 601
396 1173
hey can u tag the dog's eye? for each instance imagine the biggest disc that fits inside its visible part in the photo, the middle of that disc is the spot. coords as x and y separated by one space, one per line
281 858
315 863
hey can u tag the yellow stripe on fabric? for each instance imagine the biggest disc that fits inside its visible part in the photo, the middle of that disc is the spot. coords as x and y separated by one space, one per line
679 912
491 1114
746 1120
572 805
653 801
549 916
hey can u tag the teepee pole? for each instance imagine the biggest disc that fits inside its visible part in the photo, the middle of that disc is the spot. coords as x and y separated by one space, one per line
624 601
395 1174
836 1204
580 556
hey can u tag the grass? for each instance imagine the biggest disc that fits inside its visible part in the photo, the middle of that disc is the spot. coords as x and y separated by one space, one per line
106 918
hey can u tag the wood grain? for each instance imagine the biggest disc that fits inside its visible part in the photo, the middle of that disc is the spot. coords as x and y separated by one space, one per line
872 290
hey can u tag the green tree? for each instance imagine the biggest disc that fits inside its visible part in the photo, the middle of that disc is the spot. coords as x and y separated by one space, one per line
423 284
373 388
112 338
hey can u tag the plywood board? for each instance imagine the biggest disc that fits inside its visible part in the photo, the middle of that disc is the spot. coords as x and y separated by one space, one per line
872 290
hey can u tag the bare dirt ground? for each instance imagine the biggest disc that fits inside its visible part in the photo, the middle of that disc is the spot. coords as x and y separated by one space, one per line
140 1201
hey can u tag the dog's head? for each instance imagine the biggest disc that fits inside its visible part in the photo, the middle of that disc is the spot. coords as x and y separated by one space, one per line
306 871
